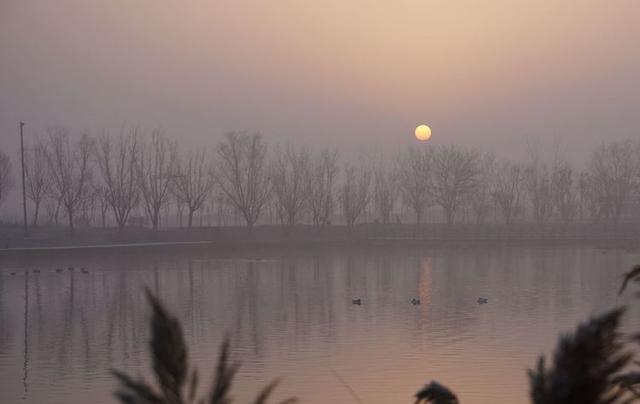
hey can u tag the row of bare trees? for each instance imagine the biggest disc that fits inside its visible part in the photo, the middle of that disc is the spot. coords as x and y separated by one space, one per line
119 176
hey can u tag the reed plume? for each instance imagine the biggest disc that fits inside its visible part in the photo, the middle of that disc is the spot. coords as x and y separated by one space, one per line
176 384
586 365
435 393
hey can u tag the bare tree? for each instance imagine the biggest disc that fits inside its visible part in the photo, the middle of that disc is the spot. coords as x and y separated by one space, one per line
290 182
101 197
589 203
88 205
69 167
38 180
117 163
385 190
179 208
193 181
6 176
354 194
322 179
539 189
414 167
155 169
454 172
52 205
612 171
242 174
480 197
564 192
508 190
166 212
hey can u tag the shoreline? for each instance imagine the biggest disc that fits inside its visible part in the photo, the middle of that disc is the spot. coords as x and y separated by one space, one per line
248 246
57 240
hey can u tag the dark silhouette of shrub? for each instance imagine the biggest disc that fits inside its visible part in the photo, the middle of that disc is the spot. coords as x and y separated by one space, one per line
436 393
176 383
585 365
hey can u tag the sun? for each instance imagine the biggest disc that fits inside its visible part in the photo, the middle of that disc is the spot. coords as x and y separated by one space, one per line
423 132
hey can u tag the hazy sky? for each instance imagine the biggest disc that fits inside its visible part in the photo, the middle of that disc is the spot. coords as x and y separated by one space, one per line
331 72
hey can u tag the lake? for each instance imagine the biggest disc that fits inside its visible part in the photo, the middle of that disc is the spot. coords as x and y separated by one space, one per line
290 316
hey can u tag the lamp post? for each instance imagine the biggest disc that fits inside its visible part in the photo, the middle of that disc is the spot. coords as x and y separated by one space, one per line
24 192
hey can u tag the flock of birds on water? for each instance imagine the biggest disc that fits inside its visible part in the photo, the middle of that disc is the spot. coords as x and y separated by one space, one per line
357 302
57 270
415 302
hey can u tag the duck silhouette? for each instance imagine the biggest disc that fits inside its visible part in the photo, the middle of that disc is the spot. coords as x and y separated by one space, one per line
415 301
84 271
483 300
357 301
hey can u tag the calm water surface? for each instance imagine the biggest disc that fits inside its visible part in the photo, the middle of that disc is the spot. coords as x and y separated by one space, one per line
290 316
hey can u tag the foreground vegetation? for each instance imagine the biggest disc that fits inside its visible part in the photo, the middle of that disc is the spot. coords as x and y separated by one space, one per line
590 365
176 382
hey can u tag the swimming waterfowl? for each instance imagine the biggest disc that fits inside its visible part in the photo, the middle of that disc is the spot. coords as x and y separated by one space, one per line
84 271
357 301
58 269
483 300
415 301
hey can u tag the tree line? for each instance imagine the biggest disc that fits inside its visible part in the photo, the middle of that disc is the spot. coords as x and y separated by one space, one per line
110 180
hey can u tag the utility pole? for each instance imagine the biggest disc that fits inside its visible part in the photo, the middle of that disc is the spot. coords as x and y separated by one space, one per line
24 192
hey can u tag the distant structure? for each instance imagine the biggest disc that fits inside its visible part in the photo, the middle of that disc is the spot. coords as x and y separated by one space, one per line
24 187
137 221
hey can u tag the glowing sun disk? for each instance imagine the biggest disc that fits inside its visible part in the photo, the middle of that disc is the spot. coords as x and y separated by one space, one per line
423 132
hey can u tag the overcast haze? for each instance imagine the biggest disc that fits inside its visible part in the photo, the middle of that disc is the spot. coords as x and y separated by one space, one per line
486 74
396 263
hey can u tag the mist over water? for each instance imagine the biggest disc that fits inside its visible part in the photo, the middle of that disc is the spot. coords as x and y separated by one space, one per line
289 315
